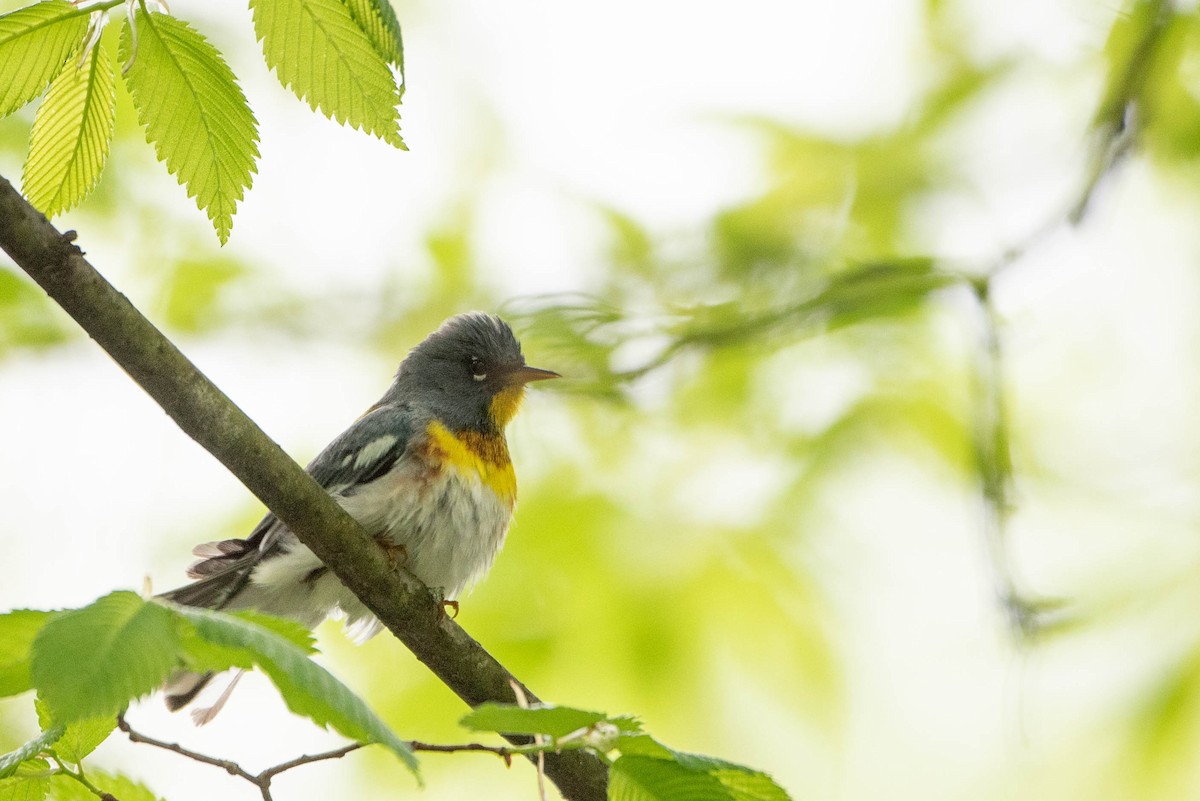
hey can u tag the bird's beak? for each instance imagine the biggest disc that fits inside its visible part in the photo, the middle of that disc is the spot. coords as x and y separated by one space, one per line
526 374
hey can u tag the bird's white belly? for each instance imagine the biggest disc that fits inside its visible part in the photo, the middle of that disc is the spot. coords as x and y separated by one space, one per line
450 524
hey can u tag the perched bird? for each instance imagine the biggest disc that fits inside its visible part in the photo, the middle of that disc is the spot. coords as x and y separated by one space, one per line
426 471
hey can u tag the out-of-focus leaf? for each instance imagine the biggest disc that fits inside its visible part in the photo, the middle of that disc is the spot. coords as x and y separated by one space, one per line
18 629
35 42
1170 107
79 738
93 661
1131 53
27 317
71 134
307 688
1167 727
192 291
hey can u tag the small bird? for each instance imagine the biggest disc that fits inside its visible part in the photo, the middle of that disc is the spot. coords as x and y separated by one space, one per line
426 471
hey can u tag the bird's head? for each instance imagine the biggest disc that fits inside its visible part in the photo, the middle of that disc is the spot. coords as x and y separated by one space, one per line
469 373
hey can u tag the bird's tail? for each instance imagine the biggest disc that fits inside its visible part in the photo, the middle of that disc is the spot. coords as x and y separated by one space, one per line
222 573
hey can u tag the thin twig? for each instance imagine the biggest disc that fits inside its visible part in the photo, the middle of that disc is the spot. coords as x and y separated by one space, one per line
232 768
262 779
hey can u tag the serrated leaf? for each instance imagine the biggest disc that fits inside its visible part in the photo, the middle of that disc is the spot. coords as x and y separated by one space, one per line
643 745
79 738
290 630
320 53
11 762
117 786
641 778
69 143
35 42
377 19
17 632
194 113
32 787
553 721
750 785
202 655
307 688
93 661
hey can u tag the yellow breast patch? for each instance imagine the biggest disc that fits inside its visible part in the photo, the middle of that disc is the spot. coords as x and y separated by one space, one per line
472 454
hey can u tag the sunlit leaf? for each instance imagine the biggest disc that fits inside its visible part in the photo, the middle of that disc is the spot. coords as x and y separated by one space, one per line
71 135
35 42
17 632
193 111
377 19
79 738
93 661
318 52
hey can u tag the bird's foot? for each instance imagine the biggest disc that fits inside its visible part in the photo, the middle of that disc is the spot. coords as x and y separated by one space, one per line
397 554
444 606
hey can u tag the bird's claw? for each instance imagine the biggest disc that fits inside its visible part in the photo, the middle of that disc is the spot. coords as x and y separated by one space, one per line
397 554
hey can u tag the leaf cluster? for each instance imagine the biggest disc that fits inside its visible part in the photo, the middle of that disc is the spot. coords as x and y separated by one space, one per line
640 767
342 57
88 664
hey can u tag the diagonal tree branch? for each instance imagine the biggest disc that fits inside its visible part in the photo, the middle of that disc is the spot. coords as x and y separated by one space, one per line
408 608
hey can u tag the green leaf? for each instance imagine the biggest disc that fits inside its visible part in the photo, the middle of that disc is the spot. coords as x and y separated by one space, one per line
35 42
193 290
750 785
10 763
64 788
28 318
79 738
71 135
641 778
202 655
318 52
92 661
643 745
307 688
17 632
29 784
649 771
194 113
377 19
553 721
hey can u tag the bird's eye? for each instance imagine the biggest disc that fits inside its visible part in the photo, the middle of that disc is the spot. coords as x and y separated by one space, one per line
478 371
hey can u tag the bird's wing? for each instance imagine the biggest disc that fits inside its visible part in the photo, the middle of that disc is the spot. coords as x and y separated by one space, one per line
362 453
